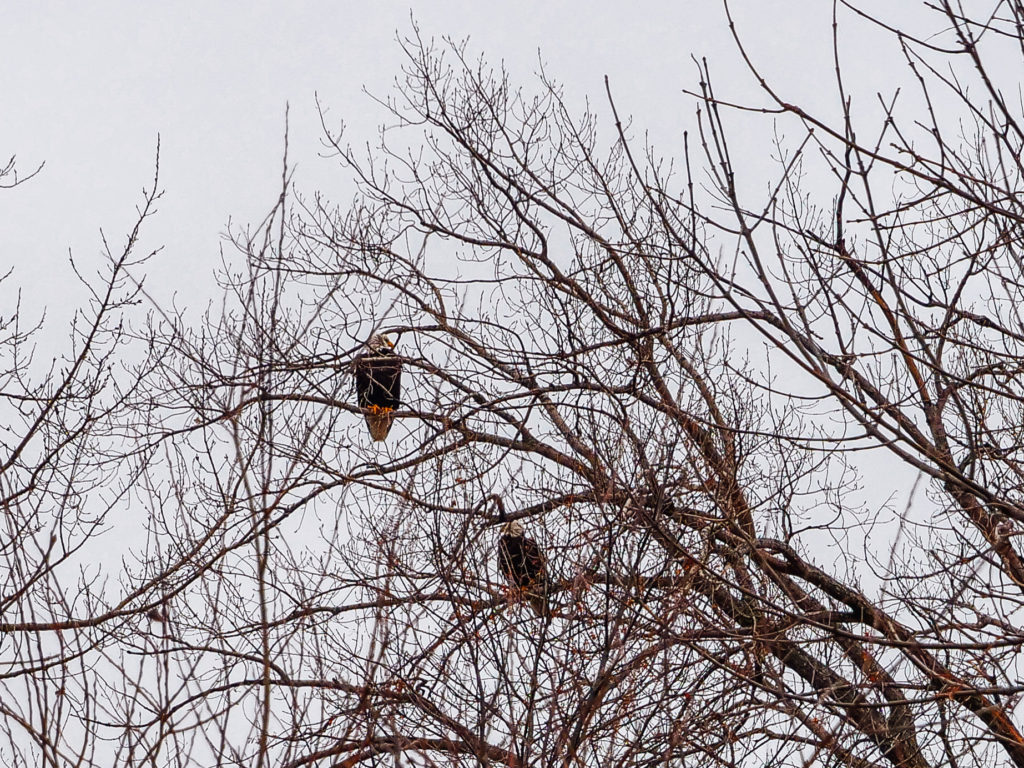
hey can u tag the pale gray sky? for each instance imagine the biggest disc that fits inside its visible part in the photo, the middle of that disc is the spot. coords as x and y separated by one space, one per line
87 88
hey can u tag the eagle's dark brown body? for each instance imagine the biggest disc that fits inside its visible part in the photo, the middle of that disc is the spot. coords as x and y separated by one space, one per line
522 563
379 386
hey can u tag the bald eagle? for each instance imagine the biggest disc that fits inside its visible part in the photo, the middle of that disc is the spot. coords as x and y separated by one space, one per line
379 384
523 564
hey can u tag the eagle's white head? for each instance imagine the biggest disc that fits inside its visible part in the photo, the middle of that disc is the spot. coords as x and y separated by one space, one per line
379 342
513 528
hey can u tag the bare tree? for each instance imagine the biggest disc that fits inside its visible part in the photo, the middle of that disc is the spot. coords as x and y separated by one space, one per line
676 386
72 449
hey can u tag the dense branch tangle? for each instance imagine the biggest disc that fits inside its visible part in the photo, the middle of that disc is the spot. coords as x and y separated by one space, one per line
589 347
678 388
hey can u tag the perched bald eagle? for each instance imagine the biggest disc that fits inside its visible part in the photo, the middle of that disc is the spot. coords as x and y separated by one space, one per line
522 562
379 384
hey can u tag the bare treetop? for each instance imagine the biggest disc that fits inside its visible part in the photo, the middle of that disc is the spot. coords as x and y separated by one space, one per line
682 467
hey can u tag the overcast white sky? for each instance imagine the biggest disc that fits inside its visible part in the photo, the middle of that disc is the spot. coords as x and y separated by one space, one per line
86 88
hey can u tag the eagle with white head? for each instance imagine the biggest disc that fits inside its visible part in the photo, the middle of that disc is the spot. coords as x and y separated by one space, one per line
522 562
379 384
